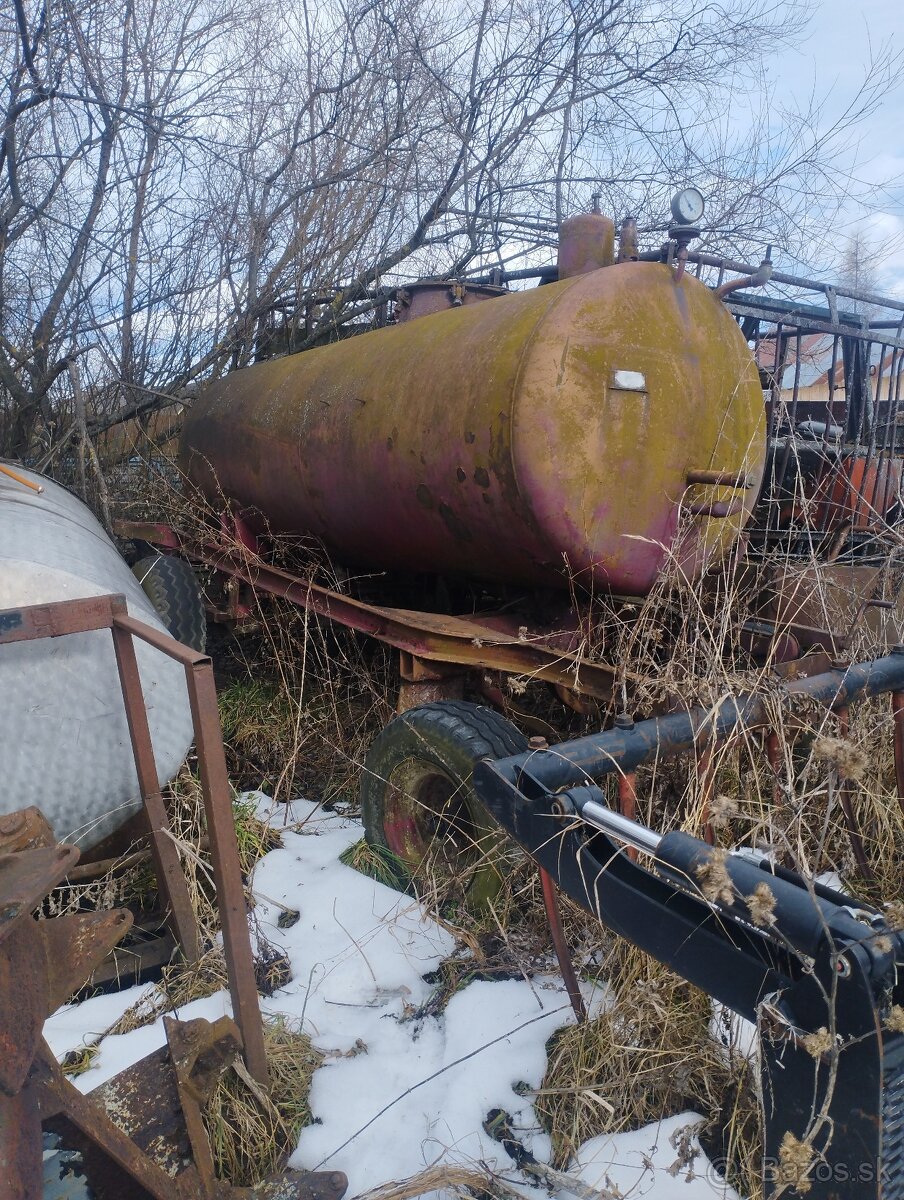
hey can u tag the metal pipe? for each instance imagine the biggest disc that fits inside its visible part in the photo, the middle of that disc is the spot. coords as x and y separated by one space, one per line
632 833
573 763
759 278
627 241
566 966
717 509
711 260
732 479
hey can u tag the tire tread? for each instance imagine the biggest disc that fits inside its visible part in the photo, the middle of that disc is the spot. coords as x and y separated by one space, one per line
171 586
470 731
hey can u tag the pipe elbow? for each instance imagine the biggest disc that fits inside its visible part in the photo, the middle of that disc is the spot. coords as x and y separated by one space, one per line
759 278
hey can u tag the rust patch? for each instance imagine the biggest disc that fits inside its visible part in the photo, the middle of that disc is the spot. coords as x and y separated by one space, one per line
454 524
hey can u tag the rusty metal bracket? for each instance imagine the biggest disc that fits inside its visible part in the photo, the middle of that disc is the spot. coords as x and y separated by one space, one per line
433 637
142 1133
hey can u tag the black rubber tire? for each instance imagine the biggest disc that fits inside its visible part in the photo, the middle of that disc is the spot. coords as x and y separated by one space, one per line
418 803
171 586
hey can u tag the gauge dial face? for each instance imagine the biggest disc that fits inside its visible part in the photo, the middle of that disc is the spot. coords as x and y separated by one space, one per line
687 206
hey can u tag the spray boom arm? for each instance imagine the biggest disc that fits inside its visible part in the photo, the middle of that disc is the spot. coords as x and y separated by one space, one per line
815 969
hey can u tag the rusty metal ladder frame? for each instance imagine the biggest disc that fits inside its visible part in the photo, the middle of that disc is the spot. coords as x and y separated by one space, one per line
65 617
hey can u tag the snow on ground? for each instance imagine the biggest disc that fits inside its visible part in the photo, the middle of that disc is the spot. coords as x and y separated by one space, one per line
399 1091
661 1162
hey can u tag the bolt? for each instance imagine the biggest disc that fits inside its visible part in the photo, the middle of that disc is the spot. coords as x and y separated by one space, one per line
840 664
11 823
624 720
538 743
898 648
561 807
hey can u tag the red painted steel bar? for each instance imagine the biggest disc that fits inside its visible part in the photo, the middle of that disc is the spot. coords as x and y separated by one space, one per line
627 801
845 796
566 966
627 794
429 636
705 776
897 708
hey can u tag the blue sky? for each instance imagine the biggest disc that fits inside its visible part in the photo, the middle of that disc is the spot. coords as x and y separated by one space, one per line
833 61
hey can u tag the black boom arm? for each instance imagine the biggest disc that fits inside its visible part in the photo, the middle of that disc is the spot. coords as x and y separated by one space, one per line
815 969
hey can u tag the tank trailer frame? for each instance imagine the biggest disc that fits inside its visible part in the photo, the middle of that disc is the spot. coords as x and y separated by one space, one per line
819 971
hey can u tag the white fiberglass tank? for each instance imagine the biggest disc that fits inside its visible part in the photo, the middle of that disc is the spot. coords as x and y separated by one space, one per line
64 741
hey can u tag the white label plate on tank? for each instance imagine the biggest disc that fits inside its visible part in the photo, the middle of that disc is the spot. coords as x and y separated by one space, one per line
629 381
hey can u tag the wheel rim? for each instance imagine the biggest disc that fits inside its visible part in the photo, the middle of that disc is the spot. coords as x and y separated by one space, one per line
426 819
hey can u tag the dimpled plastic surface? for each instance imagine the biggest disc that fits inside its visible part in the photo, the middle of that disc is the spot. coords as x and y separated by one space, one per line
64 741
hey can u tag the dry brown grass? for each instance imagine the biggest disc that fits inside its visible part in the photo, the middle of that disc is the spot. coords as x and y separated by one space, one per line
650 1052
300 698
252 1133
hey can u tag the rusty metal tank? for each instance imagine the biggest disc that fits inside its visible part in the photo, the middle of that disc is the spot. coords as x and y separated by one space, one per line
546 434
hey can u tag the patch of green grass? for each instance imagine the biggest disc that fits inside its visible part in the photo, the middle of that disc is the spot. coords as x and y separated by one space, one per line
77 1062
376 862
259 727
254 836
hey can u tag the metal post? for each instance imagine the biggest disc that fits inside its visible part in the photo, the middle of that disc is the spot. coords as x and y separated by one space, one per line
181 916
845 795
224 854
566 966
897 708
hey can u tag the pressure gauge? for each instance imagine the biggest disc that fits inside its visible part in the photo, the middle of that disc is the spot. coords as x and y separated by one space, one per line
687 206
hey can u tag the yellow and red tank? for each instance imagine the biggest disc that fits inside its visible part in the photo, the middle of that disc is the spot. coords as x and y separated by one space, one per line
537 436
